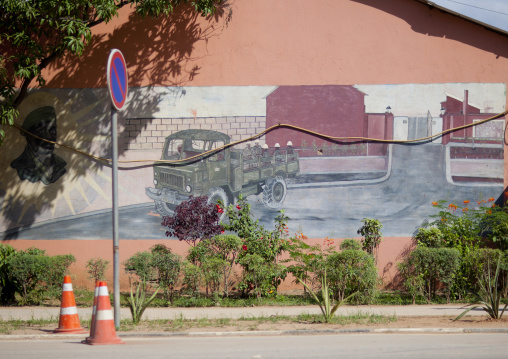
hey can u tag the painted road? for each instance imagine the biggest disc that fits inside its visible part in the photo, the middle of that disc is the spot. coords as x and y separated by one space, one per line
401 200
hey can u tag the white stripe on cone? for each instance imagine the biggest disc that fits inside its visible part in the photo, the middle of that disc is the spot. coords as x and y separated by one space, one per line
67 287
68 310
103 291
104 315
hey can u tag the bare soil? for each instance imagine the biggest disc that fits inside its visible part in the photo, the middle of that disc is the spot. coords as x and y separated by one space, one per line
479 322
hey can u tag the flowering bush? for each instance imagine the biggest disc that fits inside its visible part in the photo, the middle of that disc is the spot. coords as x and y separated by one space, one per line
467 227
261 249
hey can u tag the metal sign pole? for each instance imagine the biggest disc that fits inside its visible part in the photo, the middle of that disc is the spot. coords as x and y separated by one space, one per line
118 86
116 247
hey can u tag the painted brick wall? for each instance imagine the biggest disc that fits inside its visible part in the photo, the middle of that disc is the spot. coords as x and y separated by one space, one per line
149 133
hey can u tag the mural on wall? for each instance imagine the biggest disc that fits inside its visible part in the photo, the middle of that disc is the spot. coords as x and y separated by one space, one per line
325 185
38 162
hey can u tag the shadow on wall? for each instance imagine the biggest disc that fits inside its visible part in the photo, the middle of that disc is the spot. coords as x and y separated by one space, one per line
163 49
160 49
430 21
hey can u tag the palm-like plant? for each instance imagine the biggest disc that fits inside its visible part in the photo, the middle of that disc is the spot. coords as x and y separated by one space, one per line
138 302
325 304
489 296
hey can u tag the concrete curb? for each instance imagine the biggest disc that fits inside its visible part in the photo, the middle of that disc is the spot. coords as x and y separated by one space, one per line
264 333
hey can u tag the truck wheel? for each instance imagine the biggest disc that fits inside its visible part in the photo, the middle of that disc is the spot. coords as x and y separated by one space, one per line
214 195
163 208
274 192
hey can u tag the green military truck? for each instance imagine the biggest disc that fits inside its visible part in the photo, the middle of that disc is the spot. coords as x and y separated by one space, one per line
222 175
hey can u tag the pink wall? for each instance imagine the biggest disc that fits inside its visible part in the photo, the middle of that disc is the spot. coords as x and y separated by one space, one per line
296 42
391 251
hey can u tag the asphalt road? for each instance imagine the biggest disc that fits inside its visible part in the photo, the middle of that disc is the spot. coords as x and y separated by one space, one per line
359 346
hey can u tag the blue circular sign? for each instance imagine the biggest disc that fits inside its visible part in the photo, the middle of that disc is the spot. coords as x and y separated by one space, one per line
117 79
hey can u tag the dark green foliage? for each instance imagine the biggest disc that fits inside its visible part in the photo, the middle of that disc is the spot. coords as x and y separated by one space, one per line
372 236
437 267
261 249
56 271
489 295
167 268
35 34
429 237
7 285
159 267
352 271
216 256
307 262
350 243
34 273
96 268
141 264
193 277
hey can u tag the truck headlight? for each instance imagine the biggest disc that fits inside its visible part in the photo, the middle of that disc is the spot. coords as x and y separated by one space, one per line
155 182
188 188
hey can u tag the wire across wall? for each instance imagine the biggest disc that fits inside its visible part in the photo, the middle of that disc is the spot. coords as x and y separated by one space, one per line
264 132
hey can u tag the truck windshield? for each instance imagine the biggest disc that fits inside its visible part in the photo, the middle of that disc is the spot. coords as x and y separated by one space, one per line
174 149
179 149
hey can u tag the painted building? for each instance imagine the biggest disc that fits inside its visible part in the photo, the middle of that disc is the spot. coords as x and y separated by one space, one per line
395 70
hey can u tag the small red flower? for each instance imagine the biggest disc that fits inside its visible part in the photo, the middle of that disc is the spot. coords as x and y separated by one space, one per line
491 199
219 209
465 210
238 207
244 247
452 207
466 202
434 203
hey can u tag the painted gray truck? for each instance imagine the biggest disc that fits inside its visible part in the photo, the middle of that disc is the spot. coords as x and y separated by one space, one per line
222 175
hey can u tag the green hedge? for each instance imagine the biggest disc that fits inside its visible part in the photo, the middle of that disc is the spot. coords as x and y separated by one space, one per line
352 271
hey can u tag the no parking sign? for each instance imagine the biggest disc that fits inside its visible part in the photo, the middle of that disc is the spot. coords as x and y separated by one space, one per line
117 79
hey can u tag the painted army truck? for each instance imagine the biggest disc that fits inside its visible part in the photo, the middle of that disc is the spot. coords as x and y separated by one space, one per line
221 175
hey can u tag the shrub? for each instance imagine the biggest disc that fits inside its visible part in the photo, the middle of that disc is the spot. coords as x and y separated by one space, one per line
350 243
261 249
192 277
489 295
56 271
141 264
413 280
474 265
159 266
96 269
436 266
7 285
194 220
34 273
307 262
371 232
217 256
167 266
429 237
352 271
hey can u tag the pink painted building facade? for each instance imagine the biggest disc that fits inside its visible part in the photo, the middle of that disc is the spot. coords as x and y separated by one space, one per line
343 68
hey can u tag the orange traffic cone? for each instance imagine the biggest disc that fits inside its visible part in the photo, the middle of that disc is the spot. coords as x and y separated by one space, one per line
69 319
103 326
94 309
